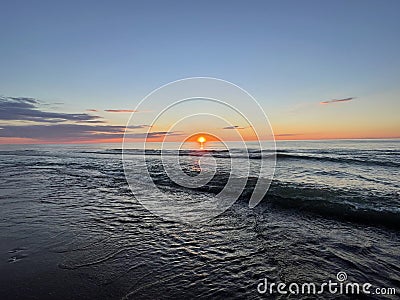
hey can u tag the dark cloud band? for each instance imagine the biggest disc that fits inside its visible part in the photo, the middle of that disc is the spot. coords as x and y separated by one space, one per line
28 109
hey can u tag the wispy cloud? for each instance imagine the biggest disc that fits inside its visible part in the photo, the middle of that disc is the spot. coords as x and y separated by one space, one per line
28 109
338 100
138 126
92 110
234 127
120 110
153 135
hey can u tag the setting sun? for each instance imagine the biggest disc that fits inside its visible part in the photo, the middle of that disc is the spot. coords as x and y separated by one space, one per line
201 139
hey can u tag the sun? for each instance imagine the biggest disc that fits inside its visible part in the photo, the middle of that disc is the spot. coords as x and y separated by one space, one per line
201 139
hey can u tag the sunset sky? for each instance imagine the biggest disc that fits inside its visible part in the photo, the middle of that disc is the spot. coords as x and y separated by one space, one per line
73 71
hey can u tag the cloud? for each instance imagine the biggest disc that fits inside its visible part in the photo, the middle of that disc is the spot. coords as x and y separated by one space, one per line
92 110
76 132
138 126
62 132
152 135
45 126
233 127
28 109
120 110
23 99
338 100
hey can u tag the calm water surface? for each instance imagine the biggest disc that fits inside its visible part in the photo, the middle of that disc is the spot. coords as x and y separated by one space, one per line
71 228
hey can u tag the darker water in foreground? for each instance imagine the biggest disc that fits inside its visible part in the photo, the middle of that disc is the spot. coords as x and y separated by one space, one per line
71 228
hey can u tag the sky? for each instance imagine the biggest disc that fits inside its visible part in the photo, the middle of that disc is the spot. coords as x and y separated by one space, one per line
73 71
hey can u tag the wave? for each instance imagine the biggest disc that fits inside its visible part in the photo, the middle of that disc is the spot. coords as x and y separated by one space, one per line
366 204
340 211
27 152
339 159
359 206
373 158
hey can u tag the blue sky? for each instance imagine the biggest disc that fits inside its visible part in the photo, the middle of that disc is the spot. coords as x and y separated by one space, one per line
288 54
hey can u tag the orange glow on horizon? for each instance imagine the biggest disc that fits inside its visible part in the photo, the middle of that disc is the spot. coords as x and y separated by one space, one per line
283 134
